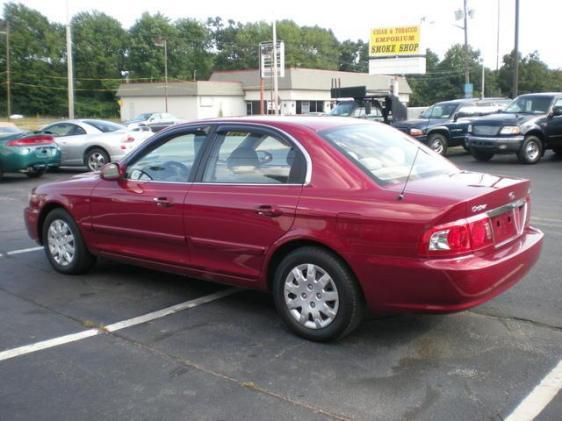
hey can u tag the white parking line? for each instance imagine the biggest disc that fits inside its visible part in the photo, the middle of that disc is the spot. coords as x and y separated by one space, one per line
29 250
540 397
73 337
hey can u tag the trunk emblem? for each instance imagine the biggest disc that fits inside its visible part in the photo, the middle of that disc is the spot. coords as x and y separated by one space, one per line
511 195
478 208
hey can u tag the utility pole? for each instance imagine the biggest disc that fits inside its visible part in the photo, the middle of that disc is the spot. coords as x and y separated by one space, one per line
163 42
516 53
275 79
498 40
483 80
69 64
465 27
8 77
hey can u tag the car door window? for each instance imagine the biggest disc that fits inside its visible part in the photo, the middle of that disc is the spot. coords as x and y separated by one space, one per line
64 129
246 157
171 161
558 103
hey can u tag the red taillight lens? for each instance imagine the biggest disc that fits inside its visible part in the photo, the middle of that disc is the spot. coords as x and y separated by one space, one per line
128 139
32 141
456 238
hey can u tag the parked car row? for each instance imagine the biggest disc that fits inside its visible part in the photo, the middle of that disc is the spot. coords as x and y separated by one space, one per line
526 126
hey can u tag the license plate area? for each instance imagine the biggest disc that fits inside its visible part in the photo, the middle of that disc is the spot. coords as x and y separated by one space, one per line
504 226
45 152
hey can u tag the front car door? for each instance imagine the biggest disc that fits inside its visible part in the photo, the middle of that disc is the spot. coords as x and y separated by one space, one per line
554 127
141 215
243 200
70 137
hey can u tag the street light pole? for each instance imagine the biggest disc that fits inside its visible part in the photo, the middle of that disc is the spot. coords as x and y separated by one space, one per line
69 64
8 79
483 80
163 42
275 78
516 53
466 72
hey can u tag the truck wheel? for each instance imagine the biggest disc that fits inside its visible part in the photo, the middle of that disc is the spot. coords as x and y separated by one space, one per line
96 158
438 143
481 156
316 295
531 150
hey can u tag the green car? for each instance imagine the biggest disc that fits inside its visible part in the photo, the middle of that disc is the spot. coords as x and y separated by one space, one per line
27 152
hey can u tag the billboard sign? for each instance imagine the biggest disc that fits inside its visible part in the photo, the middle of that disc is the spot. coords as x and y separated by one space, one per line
396 50
266 59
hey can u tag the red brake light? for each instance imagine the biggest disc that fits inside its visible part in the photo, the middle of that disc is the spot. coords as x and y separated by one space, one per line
459 237
128 139
32 141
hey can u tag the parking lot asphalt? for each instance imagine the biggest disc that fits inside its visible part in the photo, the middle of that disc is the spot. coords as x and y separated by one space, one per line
233 359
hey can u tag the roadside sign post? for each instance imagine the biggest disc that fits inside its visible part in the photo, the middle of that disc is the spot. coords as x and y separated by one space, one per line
272 65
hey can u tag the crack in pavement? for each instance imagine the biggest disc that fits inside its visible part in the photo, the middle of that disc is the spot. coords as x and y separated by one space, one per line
518 319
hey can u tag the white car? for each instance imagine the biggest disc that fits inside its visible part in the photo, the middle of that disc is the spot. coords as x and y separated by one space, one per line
94 143
155 121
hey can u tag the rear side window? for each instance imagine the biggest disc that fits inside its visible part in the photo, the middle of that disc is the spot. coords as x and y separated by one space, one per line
171 161
386 153
104 126
248 157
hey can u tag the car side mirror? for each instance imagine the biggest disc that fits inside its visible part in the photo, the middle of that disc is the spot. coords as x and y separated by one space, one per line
556 111
111 171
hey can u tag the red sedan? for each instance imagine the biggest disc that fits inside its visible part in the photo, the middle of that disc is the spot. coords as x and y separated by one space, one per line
329 214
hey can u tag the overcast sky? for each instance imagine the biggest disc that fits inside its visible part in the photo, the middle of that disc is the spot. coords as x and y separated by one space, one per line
540 19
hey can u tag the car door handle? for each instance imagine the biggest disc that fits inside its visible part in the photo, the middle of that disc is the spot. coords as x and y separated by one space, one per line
268 210
163 202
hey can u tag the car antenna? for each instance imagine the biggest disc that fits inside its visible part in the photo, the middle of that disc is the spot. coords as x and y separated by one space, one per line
401 195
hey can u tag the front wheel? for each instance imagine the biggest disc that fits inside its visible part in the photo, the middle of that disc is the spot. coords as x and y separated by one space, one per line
481 156
316 295
438 143
95 159
531 150
64 245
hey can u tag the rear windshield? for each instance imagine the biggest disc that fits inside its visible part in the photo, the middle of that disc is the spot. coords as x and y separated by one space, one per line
385 153
104 126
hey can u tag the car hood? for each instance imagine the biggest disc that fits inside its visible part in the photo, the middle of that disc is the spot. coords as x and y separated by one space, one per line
506 119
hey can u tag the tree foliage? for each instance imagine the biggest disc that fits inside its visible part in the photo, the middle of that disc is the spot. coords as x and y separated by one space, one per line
103 51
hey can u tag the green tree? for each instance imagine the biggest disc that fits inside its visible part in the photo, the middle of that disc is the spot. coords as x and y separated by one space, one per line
38 59
534 75
191 55
353 56
100 45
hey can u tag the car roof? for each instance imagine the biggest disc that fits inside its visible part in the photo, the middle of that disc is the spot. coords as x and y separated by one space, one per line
543 94
315 123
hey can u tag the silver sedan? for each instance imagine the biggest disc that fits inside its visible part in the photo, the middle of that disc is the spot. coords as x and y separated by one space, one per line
94 143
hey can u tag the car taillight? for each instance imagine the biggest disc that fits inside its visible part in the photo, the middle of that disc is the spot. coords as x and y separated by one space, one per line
459 237
128 139
32 141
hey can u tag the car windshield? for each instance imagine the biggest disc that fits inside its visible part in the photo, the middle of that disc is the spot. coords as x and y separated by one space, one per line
442 111
530 105
343 109
141 117
386 153
104 126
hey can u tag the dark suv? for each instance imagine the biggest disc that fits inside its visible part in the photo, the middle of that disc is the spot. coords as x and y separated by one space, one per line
444 124
531 124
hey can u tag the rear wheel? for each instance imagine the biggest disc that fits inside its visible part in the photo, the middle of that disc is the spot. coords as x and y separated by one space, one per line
438 143
64 245
96 158
531 150
482 156
316 295
35 173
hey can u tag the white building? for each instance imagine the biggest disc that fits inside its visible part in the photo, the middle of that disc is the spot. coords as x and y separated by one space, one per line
237 92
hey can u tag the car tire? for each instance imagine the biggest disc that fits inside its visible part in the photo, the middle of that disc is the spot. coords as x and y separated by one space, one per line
64 244
531 150
557 151
323 276
481 156
96 158
1 173
438 143
35 173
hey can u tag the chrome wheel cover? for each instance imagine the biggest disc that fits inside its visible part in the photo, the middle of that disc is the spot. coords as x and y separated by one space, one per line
61 242
437 146
311 296
96 161
532 150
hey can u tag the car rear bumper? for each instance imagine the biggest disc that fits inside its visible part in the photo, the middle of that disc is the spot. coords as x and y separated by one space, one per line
499 144
447 285
18 161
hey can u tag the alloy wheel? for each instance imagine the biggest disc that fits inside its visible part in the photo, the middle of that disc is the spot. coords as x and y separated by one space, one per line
61 242
532 150
96 161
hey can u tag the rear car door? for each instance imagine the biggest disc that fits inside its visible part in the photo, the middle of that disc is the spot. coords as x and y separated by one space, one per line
141 215
244 199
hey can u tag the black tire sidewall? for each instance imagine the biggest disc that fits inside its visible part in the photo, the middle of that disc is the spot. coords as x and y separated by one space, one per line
93 151
82 258
442 140
350 298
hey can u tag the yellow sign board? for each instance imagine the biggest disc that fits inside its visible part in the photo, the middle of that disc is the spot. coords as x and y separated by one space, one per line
396 41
